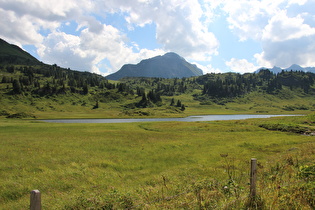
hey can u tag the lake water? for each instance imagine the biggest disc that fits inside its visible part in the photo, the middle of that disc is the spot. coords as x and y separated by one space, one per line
186 119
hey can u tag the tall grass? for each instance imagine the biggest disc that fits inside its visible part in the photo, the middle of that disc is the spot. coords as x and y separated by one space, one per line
151 165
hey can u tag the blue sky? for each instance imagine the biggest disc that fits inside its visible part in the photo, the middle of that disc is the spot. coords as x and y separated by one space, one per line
219 36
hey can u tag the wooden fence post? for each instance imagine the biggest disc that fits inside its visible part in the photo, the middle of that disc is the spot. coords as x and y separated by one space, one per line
35 202
253 177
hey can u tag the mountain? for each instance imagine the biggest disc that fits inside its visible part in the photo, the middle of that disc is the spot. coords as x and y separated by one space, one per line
293 67
12 54
169 65
275 69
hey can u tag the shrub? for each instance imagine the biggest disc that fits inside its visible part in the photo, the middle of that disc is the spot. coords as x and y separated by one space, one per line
21 115
4 113
284 127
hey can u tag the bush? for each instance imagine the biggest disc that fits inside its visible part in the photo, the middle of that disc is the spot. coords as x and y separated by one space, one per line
284 127
21 115
4 113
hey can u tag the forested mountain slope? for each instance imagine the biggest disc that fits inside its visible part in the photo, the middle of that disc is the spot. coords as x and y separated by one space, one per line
12 54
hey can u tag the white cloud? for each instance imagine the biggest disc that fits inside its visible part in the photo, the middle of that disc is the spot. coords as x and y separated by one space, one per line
241 65
207 69
299 2
22 20
45 9
18 30
285 28
248 18
64 50
285 53
178 26
282 28
86 52
262 62
289 39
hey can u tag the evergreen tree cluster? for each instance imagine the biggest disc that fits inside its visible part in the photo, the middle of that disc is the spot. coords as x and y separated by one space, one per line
178 104
48 80
165 87
45 80
148 100
231 85
291 79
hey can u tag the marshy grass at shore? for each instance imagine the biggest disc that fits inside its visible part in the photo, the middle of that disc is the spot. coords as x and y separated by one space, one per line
155 165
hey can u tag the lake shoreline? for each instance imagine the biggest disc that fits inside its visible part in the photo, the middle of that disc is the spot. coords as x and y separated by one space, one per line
194 118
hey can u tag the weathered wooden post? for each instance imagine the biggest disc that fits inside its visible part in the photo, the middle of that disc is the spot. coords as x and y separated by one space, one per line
35 200
253 177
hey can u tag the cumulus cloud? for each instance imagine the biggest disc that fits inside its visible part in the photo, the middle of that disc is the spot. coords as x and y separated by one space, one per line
178 29
241 65
288 40
87 51
178 26
22 21
44 9
207 69
18 30
185 33
64 50
285 28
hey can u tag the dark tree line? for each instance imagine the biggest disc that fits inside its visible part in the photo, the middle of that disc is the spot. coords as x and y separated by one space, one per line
165 87
233 84
52 79
48 80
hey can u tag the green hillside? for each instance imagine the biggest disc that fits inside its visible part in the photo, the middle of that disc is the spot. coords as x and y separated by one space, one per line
46 91
29 88
12 54
153 165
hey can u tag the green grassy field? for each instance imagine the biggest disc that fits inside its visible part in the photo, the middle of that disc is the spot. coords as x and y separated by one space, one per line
155 165
74 106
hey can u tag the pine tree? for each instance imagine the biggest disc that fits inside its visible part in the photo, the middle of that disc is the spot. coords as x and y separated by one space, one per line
85 89
4 79
17 89
96 106
172 102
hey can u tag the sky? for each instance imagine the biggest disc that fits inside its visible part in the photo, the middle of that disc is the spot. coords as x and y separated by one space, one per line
218 36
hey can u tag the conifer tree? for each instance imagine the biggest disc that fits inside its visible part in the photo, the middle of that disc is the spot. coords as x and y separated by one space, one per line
183 107
85 89
172 102
17 89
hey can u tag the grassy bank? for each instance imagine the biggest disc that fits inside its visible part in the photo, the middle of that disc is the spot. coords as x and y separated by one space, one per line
154 165
69 106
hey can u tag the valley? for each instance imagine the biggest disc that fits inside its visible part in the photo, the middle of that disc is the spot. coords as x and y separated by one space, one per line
153 165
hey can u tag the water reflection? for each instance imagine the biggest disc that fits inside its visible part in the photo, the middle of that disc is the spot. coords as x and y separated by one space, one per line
186 119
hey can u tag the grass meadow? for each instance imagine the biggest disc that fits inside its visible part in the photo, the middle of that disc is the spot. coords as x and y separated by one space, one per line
155 165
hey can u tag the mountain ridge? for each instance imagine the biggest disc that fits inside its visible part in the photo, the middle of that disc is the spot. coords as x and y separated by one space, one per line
13 54
43 90
293 67
169 65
